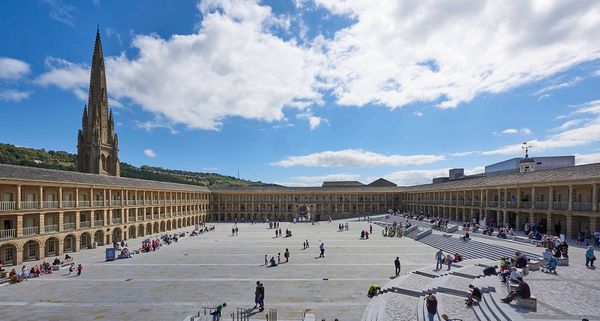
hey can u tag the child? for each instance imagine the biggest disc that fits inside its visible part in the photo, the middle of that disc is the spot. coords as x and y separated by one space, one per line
79 268
71 268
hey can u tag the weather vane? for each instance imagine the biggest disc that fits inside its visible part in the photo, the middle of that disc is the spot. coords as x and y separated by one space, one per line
526 146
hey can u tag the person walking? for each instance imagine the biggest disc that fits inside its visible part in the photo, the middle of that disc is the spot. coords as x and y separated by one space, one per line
307 246
397 264
431 303
261 297
449 261
286 255
256 295
439 256
590 257
79 269
370 228
322 248
71 268
266 260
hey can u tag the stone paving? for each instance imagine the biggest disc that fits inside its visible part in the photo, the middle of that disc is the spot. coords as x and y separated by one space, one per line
175 281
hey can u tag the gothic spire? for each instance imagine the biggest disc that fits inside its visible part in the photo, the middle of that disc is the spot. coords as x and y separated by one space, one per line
97 93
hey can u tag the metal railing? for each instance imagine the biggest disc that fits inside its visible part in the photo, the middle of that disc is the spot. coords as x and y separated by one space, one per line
116 220
84 224
69 226
115 202
51 228
7 206
68 204
131 218
492 204
31 230
560 205
50 204
541 205
98 223
84 203
27 205
578 206
8 233
525 204
98 203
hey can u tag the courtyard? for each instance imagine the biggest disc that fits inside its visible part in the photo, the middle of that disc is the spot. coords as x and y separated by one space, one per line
216 267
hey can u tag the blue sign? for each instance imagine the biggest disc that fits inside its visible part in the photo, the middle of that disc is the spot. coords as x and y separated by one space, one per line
110 254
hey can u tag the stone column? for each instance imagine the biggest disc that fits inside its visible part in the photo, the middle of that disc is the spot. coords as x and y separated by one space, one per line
592 225
61 221
533 197
60 198
105 217
123 216
570 208
18 203
104 203
122 197
504 217
41 199
594 198
531 218
569 223
77 219
42 220
19 226
549 225
517 221
550 198
518 197
76 197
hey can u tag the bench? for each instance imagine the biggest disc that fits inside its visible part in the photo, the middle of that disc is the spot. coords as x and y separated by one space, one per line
534 265
563 261
530 303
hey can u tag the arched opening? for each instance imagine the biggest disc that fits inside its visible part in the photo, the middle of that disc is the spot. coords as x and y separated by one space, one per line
140 230
228 217
85 241
162 226
8 254
109 163
132 232
179 223
168 225
51 247
156 228
148 229
31 251
103 162
222 218
99 237
235 217
69 243
117 235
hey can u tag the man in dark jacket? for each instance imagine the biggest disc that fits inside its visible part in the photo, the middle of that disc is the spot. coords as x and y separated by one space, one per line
397 264
522 291
431 303
490 270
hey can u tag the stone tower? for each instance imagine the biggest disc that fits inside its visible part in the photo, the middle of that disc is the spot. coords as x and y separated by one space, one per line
97 143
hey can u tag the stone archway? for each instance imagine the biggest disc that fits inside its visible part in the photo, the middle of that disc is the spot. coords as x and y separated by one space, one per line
51 247
117 234
8 254
156 228
99 237
140 230
162 226
132 232
69 243
85 241
149 229
168 225
31 250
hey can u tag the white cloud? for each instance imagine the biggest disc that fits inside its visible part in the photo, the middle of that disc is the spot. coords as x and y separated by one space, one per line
514 131
14 95
355 158
66 75
581 159
318 180
313 121
597 73
424 176
234 66
400 52
567 84
60 11
418 113
569 136
149 153
13 69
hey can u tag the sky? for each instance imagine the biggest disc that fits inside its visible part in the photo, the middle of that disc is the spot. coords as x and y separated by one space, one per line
296 92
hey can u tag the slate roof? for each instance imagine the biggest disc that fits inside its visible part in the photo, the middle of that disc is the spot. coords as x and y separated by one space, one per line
382 182
13 172
342 184
305 190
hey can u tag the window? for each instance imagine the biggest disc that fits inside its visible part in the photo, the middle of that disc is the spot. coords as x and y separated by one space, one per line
32 250
9 255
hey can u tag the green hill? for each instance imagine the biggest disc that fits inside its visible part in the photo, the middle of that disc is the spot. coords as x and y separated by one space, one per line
10 154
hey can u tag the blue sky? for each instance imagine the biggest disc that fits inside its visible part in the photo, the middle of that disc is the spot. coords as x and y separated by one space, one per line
296 92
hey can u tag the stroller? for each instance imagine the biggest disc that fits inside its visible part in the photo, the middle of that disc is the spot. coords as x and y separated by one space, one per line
551 266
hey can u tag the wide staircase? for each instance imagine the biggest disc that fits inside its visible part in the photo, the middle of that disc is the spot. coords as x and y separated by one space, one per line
403 298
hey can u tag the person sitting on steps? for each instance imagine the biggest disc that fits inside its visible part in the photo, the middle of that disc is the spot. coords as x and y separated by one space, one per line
522 291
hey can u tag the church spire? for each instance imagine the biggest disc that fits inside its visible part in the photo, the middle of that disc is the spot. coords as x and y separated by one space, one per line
97 149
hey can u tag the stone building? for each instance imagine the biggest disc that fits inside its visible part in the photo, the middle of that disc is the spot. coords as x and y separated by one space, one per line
97 143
